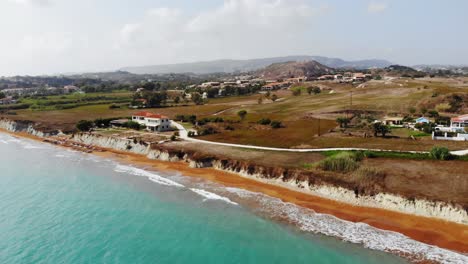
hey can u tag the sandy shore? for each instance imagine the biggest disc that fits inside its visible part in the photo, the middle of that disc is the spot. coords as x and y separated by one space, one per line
431 231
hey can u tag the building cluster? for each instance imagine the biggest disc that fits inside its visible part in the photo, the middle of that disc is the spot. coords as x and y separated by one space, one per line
347 77
8 100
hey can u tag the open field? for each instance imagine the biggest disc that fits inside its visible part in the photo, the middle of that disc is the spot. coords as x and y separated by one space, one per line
299 115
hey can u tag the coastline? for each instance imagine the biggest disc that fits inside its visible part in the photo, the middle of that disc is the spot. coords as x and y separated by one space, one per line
431 231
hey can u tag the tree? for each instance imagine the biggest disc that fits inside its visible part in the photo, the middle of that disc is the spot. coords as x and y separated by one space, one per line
197 98
2 95
274 97
132 125
343 121
412 110
310 90
276 124
84 125
296 92
177 100
242 114
317 90
433 113
380 128
423 111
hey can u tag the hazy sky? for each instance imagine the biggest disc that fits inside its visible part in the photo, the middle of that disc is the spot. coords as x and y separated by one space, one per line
56 36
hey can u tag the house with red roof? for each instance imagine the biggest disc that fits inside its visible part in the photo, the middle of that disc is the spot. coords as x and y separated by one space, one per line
153 122
459 123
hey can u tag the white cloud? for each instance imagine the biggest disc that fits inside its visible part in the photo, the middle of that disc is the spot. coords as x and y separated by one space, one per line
238 28
33 2
376 7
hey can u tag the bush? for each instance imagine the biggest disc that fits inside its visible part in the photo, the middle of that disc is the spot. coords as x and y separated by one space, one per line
440 153
113 106
264 121
132 125
84 125
341 162
276 124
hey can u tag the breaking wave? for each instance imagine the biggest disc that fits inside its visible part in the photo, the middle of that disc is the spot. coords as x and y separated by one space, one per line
212 196
359 233
151 176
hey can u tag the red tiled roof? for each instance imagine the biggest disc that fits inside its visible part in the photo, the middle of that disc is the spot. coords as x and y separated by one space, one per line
149 114
460 118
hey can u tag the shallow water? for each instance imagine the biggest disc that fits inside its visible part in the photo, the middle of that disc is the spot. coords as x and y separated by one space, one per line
61 206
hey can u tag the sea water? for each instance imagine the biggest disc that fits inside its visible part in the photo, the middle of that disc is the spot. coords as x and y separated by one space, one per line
62 206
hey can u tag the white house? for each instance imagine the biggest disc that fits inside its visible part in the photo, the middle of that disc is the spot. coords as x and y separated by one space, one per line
153 122
458 124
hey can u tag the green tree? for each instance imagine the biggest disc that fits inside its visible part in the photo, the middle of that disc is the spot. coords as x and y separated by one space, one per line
84 125
197 98
310 89
343 121
2 95
132 125
177 100
317 90
379 128
242 114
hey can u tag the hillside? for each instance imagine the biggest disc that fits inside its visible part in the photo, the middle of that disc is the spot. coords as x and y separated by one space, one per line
400 71
229 66
294 69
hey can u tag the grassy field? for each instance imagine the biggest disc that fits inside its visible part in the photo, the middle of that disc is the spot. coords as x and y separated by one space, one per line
299 114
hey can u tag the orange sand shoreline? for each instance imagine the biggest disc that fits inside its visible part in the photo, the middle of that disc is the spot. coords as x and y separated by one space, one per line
444 234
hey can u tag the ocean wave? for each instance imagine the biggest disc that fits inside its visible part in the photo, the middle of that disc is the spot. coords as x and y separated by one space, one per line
359 233
3 141
212 196
151 176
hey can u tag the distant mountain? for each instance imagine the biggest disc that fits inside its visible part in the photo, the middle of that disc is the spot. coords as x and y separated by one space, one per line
230 66
294 69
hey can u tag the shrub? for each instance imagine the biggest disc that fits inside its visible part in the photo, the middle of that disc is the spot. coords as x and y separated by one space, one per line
113 106
132 125
84 125
242 114
191 134
264 121
276 124
341 162
440 153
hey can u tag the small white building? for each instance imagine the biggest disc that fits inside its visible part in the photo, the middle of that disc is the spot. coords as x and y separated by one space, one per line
153 122
458 124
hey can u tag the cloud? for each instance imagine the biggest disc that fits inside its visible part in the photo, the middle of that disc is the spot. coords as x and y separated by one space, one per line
376 7
33 2
237 28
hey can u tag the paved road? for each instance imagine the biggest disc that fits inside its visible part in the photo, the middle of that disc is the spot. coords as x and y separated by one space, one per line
183 134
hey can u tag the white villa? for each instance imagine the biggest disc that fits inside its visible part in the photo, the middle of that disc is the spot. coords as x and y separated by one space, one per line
153 122
459 123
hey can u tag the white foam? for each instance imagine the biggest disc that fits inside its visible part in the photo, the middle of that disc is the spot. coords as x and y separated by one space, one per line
359 233
151 176
3 141
212 196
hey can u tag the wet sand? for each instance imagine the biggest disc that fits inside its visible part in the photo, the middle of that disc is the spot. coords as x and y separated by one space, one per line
431 231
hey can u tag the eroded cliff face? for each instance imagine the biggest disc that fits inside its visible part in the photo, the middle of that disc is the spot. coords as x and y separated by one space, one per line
25 126
299 180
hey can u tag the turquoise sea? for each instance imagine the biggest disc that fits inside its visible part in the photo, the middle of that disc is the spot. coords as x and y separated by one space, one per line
61 206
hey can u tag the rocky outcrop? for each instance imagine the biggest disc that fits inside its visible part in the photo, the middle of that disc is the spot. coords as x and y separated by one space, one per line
26 127
299 180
